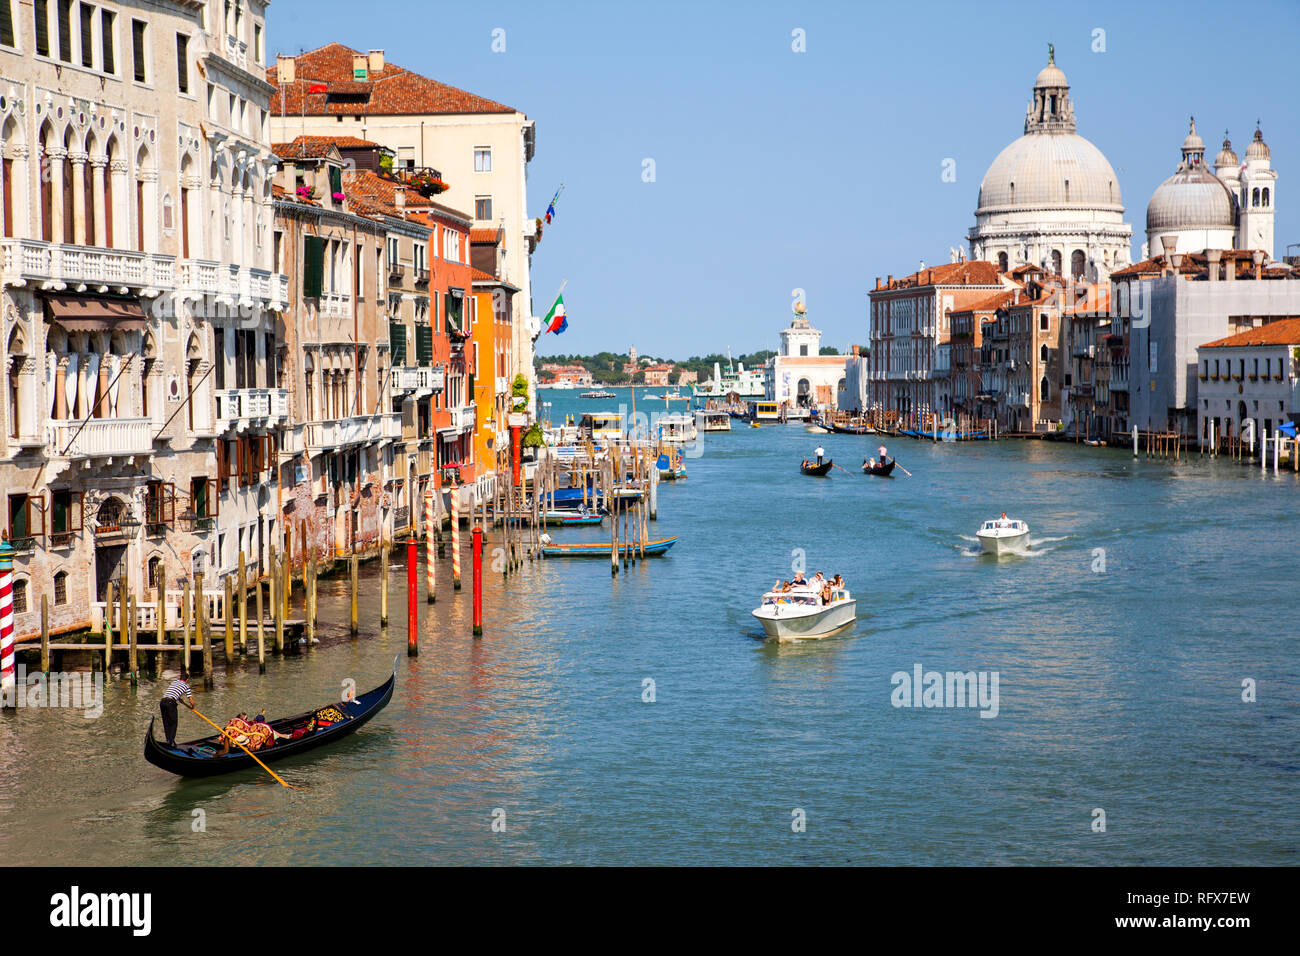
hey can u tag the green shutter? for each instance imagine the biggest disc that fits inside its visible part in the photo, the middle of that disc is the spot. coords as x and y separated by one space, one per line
454 314
423 345
313 266
336 180
397 342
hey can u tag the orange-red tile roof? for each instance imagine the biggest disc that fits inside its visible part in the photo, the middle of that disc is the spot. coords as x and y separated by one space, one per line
973 272
994 302
1277 332
393 90
315 147
479 234
478 275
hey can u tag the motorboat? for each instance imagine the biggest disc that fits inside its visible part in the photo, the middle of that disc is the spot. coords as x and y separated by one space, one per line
1004 536
800 615
597 393
712 420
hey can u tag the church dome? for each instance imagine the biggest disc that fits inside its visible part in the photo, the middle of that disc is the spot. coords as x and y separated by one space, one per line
1051 75
1191 198
1258 149
1050 169
1226 156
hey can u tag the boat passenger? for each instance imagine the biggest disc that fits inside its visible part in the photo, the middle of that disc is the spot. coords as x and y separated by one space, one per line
799 580
827 594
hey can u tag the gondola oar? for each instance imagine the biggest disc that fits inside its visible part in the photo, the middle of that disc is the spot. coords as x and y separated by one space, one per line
901 468
845 470
250 753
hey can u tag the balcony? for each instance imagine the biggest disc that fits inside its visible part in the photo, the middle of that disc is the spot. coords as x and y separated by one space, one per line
101 438
462 419
396 271
391 425
334 305
341 432
413 378
1118 380
31 260
240 409
207 277
1085 351
421 276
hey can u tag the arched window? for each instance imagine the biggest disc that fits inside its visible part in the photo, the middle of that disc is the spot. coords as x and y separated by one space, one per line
1254 196
20 595
1043 389
61 587
1077 262
1264 203
155 573
1042 353
1056 262
1002 261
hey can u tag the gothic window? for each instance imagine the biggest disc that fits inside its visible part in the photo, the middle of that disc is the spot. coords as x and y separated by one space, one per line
1042 353
1254 197
1043 389
1264 203
155 573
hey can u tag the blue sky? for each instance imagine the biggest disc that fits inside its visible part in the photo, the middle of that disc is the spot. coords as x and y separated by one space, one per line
820 170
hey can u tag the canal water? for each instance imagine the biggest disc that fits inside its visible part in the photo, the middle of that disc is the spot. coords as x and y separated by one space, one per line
1153 590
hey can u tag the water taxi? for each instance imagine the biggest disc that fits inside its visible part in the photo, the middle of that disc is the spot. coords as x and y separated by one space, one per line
712 420
597 393
676 429
800 615
759 412
1004 536
601 426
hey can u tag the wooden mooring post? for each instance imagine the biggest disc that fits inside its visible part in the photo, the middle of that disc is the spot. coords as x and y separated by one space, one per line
261 632
241 585
185 630
108 627
132 659
45 633
229 617
352 614
383 582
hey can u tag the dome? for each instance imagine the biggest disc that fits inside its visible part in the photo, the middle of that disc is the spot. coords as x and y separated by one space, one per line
1190 199
1035 169
1193 143
1258 149
1051 75
1226 156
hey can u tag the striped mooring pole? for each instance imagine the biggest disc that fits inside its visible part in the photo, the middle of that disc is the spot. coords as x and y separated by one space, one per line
454 495
430 546
8 683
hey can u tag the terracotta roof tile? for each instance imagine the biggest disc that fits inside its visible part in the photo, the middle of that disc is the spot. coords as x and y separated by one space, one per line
392 90
991 304
1277 332
973 272
480 234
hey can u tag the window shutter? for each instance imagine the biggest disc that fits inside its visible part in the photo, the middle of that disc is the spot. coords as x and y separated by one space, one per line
336 179
397 342
424 345
313 266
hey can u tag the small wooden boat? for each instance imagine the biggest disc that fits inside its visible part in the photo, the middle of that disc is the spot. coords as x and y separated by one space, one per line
880 471
602 549
199 758
851 429
817 471
567 518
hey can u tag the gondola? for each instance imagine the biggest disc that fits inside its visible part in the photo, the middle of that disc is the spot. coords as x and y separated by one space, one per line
880 471
818 471
843 429
654 548
199 758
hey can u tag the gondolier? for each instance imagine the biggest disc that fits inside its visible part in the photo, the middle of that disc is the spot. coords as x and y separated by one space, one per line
820 453
179 691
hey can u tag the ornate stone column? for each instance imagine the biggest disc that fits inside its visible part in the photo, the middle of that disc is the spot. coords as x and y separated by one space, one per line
78 197
54 157
60 388
117 170
103 406
97 166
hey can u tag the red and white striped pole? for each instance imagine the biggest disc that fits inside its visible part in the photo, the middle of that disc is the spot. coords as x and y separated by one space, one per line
8 683
430 544
454 495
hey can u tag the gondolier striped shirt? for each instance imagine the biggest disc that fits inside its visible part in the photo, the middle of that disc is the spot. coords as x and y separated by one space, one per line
177 690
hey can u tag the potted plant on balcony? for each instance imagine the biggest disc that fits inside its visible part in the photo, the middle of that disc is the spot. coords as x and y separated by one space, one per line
427 184
519 392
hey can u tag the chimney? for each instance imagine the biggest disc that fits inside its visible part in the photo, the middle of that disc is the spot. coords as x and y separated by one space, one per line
1169 244
1258 256
889 280
856 349
877 283
1230 267
360 67
286 68
1016 300
1212 261
399 200
376 61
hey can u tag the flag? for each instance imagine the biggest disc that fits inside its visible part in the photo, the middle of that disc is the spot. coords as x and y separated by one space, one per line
550 209
555 320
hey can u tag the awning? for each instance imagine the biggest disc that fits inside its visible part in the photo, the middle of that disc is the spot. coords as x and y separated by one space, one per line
83 313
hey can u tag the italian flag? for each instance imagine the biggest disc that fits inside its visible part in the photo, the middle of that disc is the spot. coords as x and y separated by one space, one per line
555 320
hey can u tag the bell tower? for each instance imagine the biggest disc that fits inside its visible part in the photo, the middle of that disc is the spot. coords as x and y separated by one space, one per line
1258 197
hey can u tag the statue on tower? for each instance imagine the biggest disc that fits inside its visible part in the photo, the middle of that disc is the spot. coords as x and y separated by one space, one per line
1051 53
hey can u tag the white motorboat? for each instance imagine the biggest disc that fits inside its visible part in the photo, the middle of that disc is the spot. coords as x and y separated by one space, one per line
712 420
800 615
1004 536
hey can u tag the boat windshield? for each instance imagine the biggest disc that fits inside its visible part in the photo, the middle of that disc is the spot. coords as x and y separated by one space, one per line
804 597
